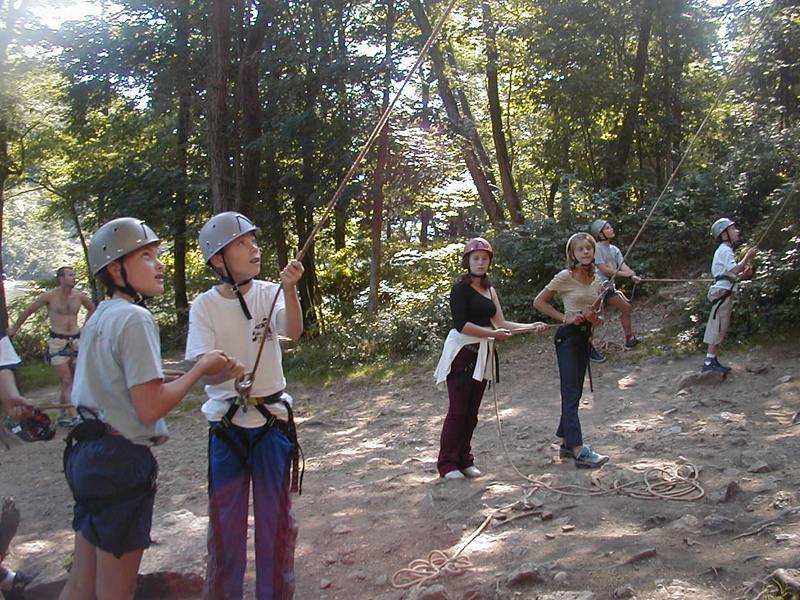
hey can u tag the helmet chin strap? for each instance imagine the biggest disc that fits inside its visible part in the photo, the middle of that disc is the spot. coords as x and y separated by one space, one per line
235 287
127 289
484 276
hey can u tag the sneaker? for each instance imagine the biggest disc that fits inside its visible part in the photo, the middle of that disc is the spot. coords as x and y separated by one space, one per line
589 459
472 472
712 364
454 475
632 342
68 422
595 355
564 452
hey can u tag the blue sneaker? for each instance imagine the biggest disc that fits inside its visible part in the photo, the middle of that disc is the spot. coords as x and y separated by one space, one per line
589 459
712 364
595 355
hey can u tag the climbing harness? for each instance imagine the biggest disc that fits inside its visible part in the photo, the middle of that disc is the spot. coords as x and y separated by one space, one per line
66 351
229 434
92 428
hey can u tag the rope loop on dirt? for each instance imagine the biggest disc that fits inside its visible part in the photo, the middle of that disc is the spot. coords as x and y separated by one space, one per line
421 570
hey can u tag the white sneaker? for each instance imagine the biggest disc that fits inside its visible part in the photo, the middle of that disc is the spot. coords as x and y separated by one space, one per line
454 475
472 472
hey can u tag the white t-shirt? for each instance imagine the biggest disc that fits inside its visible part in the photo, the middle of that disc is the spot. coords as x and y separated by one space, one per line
724 261
120 348
611 256
8 356
218 323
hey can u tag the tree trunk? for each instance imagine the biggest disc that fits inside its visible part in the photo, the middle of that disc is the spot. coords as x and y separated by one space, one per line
5 159
551 196
425 215
379 174
343 101
3 177
471 159
97 293
500 147
566 200
217 109
673 50
182 85
252 119
616 175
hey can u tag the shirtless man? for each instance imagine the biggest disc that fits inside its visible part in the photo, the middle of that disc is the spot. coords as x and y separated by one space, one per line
63 304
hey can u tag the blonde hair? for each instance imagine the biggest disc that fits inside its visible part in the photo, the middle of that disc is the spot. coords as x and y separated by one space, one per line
572 262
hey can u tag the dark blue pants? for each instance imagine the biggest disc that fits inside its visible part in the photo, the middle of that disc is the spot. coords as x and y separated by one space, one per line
572 352
267 453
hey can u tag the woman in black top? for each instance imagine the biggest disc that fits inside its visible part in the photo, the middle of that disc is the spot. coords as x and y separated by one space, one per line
477 315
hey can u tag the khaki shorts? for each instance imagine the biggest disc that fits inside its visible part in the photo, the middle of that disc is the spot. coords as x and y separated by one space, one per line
720 317
62 349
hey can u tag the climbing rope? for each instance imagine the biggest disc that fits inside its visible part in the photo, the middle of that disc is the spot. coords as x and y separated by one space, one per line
678 483
723 88
245 385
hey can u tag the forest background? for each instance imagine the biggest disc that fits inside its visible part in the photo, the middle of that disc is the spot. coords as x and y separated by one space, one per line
527 121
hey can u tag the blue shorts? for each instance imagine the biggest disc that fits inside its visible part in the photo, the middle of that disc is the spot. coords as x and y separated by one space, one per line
113 482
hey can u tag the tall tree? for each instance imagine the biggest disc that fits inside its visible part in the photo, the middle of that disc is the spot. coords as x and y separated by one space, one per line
498 135
379 173
616 174
476 169
9 12
184 93
220 170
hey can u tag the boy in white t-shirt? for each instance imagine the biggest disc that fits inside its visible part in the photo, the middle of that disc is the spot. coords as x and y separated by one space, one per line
726 272
611 263
256 442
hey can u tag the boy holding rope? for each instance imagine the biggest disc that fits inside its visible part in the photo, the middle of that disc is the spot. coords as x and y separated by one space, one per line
726 272
251 435
610 264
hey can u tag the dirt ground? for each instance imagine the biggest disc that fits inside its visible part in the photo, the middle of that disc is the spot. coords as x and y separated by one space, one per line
372 501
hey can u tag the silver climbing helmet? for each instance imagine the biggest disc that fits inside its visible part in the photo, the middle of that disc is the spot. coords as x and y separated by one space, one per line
221 229
720 226
117 238
596 229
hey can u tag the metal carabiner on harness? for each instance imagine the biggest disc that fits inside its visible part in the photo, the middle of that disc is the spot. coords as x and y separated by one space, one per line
244 386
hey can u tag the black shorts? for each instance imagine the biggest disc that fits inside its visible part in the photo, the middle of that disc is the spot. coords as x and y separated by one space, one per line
113 482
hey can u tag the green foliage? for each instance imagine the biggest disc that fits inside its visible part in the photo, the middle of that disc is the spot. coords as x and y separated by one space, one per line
526 258
35 374
31 341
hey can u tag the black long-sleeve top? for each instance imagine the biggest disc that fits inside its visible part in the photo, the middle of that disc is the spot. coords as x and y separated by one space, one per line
469 305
